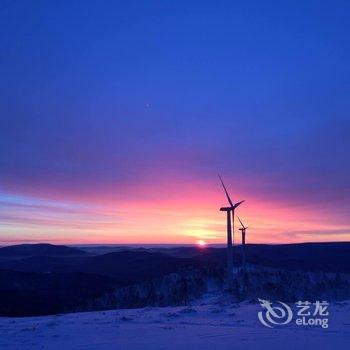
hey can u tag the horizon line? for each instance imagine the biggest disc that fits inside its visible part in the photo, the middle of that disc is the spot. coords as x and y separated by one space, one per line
163 244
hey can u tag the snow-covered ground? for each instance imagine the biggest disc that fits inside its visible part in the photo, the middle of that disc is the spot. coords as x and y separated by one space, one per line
209 323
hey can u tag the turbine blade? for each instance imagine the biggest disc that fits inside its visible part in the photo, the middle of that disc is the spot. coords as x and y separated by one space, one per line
237 204
228 197
240 221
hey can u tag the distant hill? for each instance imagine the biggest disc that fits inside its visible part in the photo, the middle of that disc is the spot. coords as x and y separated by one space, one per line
41 249
124 266
328 256
42 263
333 256
131 266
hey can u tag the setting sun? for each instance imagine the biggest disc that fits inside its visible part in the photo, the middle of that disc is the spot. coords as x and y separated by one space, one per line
201 243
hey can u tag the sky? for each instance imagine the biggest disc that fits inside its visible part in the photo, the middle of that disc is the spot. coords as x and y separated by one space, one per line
116 117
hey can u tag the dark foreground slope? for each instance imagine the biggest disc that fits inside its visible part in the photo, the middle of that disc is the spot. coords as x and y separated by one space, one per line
30 294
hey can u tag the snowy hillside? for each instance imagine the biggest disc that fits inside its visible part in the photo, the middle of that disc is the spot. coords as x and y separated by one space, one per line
210 323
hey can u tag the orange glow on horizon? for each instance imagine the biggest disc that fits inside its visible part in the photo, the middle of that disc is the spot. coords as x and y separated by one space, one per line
181 214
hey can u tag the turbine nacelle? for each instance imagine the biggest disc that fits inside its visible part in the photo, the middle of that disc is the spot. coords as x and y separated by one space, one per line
226 209
231 208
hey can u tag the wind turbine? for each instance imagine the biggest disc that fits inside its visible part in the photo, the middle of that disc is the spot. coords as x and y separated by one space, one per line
230 232
243 241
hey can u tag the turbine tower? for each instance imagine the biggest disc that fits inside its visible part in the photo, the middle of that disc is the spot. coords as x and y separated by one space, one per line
230 232
243 229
